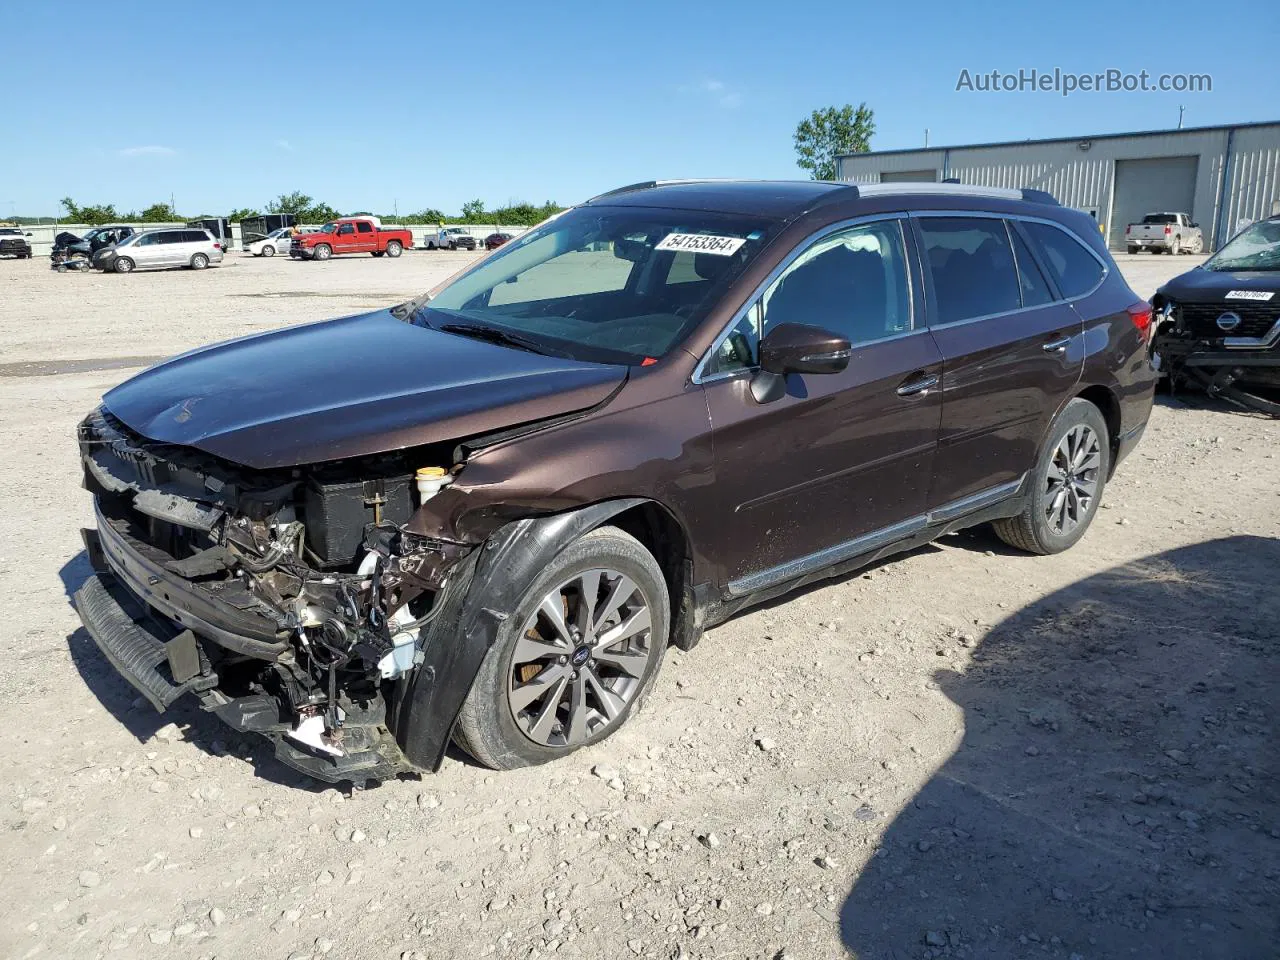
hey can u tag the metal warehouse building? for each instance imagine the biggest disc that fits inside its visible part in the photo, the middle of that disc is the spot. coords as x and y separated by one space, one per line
1219 175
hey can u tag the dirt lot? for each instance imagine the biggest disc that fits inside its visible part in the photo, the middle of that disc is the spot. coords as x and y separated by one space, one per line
965 752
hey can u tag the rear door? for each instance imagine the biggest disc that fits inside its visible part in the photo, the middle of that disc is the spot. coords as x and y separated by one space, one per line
1012 352
810 478
366 237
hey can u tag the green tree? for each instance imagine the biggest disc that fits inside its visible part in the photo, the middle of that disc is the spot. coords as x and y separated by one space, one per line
303 207
159 213
473 211
832 132
429 215
242 213
94 215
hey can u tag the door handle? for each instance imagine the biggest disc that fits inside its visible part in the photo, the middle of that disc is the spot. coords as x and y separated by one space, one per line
917 387
1057 346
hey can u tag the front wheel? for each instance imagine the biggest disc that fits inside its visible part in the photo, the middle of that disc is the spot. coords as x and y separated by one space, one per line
393 248
575 659
268 251
322 252
1066 484
123 265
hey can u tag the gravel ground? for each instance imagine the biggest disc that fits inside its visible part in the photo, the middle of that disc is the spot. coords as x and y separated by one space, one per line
963 752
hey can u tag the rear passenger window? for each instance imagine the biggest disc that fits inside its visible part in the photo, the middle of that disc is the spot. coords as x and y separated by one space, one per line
1075 268
172 236
194 236
363 227
972 266
1035 291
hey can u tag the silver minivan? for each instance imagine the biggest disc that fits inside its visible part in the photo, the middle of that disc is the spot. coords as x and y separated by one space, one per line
168 247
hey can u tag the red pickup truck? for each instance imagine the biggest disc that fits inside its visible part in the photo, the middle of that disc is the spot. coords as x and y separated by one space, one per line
350 235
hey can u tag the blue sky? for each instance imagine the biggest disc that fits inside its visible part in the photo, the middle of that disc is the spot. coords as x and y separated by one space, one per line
380 104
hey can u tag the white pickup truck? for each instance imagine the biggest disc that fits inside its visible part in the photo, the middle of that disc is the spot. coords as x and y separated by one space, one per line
1170 232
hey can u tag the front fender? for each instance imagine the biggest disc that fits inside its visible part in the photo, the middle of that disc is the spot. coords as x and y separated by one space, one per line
482 592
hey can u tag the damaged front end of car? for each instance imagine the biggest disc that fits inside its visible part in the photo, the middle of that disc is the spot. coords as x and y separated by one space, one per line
1231 351
293 603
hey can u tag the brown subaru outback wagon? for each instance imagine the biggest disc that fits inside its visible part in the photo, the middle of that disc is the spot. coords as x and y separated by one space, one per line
484 514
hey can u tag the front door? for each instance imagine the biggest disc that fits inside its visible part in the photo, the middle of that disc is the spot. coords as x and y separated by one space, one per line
840 459
344 240
1012 352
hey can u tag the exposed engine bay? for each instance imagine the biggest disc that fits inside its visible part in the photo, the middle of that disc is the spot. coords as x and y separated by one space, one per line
296 603
1229 350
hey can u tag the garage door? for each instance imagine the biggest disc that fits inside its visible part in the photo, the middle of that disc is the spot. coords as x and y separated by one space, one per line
1160 185
909 176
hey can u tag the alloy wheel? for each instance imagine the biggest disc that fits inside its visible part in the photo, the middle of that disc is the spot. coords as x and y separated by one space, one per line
580 659
1071 481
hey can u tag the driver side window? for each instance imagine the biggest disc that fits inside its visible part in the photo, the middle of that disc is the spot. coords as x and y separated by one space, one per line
853 283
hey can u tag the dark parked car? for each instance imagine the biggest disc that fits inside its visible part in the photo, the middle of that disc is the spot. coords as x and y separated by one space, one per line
483 515
1218 326
494 240
66 245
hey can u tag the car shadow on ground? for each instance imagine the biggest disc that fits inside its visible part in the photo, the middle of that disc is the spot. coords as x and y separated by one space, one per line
1115 792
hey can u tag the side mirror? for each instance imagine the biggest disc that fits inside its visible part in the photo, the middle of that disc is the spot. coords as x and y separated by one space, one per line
796 348
800 348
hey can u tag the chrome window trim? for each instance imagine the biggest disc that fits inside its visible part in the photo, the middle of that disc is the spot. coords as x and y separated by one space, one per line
699 372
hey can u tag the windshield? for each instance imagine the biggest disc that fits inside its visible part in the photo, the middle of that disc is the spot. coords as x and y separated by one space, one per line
1160 218
610 284
1255 248
329 228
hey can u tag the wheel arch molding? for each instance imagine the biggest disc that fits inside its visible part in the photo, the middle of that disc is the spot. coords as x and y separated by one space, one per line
482 592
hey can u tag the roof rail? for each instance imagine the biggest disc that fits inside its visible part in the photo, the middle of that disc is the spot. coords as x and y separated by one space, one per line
642 185
1039 196
952 188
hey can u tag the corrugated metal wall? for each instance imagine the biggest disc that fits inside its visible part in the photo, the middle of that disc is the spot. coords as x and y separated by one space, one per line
1081 173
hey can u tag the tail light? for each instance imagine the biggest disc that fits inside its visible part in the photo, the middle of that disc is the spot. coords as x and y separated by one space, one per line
1128 230
217 245
1168 230
1140 314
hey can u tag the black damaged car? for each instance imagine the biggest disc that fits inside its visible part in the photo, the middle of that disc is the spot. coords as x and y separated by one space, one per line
1219 324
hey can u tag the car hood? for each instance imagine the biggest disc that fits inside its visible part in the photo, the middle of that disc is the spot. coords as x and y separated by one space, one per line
351 387
1211 286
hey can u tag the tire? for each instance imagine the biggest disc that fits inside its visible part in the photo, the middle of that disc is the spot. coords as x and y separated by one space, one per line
394 248
431 245
377 253
1040 528
199 261
1177 246
487 726
123 265
322 252
268 251
1132 251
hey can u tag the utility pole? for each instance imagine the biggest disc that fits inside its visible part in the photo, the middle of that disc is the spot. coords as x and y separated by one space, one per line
926 137
1181 108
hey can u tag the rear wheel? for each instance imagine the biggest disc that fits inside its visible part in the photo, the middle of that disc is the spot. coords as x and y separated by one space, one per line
1177 246
575 659
393 248
322 252
199 261
377 253
123 265
1066 484
1133 250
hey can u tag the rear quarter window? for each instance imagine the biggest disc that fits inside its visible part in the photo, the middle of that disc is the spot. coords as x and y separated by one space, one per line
1073 266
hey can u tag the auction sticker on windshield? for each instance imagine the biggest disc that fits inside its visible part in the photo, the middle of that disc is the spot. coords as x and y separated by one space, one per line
1250 295
701 243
